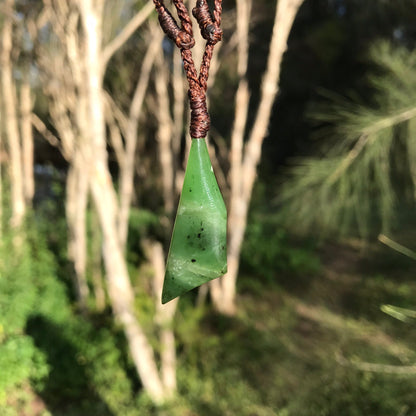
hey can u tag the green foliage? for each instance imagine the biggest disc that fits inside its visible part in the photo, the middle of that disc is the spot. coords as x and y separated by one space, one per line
27 286
224 367
369 163
268 251
75 365
402 314
272 361
51 225
142 223
267 361
19 361
347 392
87 374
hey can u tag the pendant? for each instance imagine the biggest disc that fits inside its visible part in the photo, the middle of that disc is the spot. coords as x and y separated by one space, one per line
198 249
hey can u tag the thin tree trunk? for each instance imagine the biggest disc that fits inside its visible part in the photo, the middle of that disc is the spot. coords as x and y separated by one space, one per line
96 259
168 149
125 34
178 84
242 100
127 166
119 286
10 115
164 135
26 105
164 317
2 155
76 207
243 170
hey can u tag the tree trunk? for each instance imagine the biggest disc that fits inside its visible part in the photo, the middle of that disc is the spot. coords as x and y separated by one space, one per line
164 317
244 162
242 100
165 135
119 286
76 207
96 263
104 196
26 105
2 156
179 96
127 166
11 122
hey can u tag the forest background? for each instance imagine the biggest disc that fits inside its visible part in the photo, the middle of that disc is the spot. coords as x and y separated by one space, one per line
313 116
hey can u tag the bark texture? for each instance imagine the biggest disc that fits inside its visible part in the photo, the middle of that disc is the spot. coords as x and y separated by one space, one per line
10 111
26 107
76 211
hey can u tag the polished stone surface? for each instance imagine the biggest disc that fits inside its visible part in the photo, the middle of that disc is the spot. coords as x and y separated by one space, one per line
198 251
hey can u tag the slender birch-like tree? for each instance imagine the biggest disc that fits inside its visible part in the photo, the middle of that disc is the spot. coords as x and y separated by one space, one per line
11 116
16 104
245 155
74 77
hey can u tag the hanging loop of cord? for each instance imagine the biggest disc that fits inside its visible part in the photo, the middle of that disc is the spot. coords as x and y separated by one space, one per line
209 25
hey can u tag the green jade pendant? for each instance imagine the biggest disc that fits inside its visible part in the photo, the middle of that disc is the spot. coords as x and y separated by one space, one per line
197 252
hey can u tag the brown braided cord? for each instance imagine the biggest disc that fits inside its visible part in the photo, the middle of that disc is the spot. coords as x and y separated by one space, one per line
209 25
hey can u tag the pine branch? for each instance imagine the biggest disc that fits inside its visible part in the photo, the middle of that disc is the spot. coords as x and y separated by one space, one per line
396 246
354 179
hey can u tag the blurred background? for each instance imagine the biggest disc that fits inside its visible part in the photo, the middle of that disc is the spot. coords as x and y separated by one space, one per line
313 143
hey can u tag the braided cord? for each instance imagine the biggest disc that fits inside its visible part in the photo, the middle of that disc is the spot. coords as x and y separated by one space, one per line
209 25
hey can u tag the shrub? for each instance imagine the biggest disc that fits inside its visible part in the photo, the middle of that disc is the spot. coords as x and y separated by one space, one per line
27 286
268 250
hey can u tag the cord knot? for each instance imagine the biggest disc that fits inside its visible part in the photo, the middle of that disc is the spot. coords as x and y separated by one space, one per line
184 41
209 30
209 25
212 34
